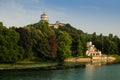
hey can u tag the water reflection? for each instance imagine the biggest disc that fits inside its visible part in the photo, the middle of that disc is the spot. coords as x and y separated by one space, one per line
93 64
90 72
96 64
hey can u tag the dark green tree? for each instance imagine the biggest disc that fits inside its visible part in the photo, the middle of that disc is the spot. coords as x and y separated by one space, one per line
9 50
24 41
64 45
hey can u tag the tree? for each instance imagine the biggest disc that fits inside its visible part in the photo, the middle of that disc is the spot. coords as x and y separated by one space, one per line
44 43
45 29
110 36
53 46
1 24
94 37
64 45
9 50
24 41
77 45
116 41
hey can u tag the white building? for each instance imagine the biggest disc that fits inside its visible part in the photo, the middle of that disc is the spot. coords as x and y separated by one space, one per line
92 50
44 19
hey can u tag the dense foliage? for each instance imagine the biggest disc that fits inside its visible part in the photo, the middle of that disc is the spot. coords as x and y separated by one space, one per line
40 42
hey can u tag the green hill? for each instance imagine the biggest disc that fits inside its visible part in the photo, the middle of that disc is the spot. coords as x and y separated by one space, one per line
40 42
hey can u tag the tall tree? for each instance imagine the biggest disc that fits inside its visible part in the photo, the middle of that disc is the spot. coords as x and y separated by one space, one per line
53 46
64 45
24 41
9 49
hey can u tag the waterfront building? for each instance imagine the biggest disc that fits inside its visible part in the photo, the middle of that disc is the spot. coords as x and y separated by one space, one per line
92 50
95 54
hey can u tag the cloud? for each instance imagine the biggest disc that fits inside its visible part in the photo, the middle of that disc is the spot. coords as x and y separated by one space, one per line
14 13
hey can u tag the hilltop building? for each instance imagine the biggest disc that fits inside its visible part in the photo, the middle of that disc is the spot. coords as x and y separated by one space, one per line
44 19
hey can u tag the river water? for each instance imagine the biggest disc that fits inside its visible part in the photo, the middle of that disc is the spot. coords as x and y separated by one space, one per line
105 72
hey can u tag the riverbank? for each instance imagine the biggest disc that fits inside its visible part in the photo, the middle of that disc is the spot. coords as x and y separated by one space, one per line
87 60
68 63
35 65
29 65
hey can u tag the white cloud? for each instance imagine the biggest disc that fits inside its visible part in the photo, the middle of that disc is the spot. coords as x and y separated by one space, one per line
15 14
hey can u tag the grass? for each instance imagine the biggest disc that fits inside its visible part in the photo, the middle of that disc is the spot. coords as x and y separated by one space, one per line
117 57
26 65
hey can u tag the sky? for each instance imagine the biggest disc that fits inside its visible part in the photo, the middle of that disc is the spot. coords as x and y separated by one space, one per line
100 16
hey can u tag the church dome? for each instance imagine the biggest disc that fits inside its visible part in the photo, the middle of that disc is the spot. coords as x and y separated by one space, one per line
44 17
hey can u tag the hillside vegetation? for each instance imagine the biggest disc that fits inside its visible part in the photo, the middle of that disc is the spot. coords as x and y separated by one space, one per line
39 42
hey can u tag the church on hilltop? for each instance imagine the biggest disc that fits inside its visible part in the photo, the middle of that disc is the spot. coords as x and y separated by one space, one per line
44 19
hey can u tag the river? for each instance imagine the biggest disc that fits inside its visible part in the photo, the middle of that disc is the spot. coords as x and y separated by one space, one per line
105 72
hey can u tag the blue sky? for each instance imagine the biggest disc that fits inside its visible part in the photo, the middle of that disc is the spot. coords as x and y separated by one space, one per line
100 16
